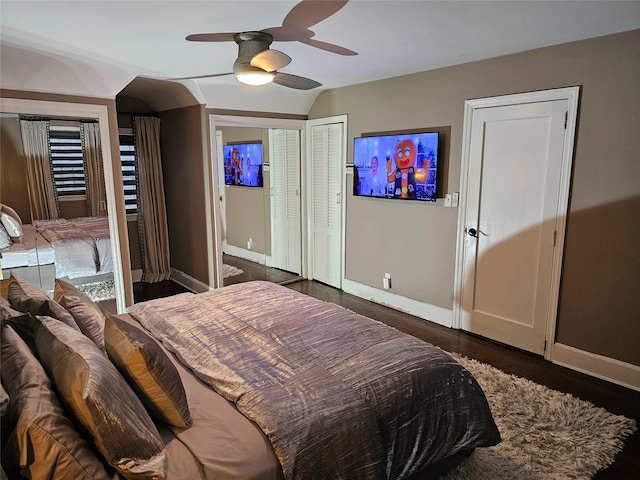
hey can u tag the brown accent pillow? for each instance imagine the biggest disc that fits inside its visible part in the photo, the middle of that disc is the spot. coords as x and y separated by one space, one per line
6 311
43 442
24 295
84 311
149 372
53 309
101 400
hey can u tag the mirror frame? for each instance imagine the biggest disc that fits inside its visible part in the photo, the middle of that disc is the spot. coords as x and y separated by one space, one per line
214 240
94 112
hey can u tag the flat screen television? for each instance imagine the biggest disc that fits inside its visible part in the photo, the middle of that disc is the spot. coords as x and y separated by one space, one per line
243 164
403 166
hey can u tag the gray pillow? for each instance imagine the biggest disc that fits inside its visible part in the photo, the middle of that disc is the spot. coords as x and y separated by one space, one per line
43 442
149 371
102 401
24 295
84 311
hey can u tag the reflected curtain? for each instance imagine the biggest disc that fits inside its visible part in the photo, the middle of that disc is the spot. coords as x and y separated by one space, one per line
96 191
42 193
152 216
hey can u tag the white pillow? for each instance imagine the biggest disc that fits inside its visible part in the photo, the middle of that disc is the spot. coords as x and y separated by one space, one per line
4 208
5 239
13 226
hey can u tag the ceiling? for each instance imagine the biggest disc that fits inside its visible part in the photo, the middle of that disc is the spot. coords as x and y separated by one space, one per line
97 48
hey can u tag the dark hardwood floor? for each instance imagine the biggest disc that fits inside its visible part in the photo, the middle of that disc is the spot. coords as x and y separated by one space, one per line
614 398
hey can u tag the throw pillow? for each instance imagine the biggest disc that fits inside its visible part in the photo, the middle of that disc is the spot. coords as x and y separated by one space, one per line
84 311
149 371
101 400
43 442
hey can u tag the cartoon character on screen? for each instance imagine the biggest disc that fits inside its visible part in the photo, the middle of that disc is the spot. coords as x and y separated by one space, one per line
235 169
405 174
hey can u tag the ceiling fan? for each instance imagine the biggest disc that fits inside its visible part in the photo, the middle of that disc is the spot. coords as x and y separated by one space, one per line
257 64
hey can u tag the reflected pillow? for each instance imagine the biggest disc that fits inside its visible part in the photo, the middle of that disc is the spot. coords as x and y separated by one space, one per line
10 211
101 400
149 371
12 226
5 239
84 311
44 442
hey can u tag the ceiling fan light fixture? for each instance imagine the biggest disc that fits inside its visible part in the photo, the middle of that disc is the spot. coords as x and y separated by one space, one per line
255 78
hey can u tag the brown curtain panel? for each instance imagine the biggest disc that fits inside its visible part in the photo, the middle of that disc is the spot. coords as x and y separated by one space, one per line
152 214
42 193
92 151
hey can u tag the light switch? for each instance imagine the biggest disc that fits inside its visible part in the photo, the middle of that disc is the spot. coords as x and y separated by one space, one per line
447 200
454 199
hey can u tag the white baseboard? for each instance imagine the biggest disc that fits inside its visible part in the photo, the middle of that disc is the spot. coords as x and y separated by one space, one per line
610 369
433 313
256 257
189 282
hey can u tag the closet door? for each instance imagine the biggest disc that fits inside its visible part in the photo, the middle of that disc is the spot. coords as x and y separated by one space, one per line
286 233
326 198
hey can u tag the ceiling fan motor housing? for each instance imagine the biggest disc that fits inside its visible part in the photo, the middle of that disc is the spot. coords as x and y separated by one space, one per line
249 45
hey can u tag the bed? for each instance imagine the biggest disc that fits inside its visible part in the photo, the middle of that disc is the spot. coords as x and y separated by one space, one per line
282 385
82 246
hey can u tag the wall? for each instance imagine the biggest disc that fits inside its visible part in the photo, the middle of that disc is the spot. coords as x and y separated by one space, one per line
247 210
599 303
183 146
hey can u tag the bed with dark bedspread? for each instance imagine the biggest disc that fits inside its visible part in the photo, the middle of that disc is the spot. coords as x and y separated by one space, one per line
338 395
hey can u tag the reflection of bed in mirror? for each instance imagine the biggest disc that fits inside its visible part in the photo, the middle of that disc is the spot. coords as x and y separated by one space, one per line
77 250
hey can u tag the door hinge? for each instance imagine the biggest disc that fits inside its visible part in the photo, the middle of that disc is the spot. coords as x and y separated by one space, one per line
544 348
555 237
566 119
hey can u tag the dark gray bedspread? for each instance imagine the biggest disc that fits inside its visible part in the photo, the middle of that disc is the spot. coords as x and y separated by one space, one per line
339 395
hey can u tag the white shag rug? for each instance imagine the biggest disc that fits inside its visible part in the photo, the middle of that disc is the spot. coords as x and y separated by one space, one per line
230 271
546 434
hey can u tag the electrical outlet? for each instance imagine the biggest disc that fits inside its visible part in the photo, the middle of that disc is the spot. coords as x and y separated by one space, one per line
250 244
447 200
386 281
454 199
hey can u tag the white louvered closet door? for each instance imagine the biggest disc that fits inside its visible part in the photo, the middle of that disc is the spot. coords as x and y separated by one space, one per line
286 233
326 198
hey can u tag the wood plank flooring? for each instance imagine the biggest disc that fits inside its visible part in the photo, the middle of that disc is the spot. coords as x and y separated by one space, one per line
616 399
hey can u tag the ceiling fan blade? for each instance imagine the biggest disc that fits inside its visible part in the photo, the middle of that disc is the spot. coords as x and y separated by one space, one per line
271 60
329 47
195 77
210 37
294 81
309 12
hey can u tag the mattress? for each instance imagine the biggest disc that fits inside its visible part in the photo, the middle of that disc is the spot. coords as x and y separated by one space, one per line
34 250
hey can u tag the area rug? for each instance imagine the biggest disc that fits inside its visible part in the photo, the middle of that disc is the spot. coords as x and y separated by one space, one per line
230 271
546 434
99 291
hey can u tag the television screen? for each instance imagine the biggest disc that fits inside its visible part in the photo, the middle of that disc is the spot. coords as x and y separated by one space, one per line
396 166
243 164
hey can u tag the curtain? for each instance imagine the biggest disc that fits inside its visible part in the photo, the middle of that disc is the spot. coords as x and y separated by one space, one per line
153 231
42 193
96 192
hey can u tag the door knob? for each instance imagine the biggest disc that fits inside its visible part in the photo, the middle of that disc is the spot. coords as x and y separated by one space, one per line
472 232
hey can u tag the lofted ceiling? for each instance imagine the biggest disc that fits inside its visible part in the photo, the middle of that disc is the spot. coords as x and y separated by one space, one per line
98 48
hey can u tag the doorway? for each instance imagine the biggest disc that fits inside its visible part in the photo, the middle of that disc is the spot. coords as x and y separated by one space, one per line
517 154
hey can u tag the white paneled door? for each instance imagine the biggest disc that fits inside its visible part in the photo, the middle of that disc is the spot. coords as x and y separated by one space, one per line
512 215
286 232
326 159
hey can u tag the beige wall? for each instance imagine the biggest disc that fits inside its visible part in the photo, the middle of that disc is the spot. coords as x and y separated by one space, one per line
183 146
599 302
247 210
13 171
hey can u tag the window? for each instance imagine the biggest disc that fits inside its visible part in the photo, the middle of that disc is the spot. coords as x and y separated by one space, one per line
67 162
129 172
